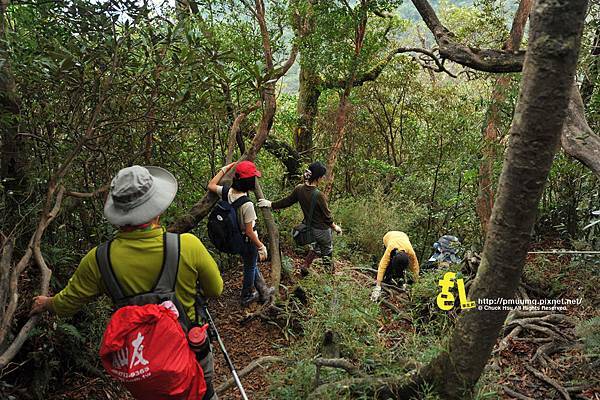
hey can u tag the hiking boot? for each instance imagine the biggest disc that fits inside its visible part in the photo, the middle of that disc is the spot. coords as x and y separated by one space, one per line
328 263
310 257
265 292
249 299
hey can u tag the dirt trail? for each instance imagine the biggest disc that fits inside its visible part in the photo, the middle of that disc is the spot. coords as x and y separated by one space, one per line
244 343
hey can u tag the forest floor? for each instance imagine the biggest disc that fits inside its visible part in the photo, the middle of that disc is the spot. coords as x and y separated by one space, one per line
523 368
245 342
533 364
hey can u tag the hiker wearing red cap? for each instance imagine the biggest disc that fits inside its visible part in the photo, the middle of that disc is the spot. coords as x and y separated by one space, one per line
244 181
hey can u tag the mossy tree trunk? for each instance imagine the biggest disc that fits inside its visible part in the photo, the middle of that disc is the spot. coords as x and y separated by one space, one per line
308 107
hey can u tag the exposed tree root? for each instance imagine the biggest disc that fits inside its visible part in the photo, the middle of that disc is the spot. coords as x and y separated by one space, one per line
262 362
340 363
515 394
374 387
266 312
540 375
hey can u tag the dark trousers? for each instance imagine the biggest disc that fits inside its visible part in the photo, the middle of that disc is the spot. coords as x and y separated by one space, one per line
394 272
208 367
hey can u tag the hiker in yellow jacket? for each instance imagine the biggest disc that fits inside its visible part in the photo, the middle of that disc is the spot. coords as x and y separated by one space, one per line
138 196
398 256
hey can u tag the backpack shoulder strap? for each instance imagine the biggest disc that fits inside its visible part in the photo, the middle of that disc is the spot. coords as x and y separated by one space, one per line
225 194
168 275
241 201
108 275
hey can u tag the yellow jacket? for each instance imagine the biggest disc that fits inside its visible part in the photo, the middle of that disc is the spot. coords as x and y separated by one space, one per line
399 241
137 259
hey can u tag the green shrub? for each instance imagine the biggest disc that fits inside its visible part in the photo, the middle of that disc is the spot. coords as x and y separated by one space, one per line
589 331
366 219
336 304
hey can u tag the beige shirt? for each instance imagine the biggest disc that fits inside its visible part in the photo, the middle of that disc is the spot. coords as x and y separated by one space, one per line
246 214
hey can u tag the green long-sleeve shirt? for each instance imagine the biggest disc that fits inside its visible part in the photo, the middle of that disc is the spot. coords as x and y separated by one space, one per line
137 259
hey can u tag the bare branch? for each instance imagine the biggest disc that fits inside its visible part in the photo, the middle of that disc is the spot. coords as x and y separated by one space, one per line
488 60
235 129
262 362
82 195
284 68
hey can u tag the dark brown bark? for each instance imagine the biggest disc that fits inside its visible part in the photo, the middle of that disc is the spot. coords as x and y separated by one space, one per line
287 155
488 60
485 197
548 76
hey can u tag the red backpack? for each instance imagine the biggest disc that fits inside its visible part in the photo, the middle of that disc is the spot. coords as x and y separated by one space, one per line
144 345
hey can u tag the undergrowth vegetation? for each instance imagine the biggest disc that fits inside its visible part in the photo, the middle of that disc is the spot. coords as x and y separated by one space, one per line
170 83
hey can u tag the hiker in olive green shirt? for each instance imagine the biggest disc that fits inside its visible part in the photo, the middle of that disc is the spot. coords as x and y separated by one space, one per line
322 220
137 198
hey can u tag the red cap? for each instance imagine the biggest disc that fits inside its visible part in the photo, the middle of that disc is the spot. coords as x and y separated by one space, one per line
246 169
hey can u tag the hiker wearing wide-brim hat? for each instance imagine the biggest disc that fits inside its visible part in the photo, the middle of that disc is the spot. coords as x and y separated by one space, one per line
137 197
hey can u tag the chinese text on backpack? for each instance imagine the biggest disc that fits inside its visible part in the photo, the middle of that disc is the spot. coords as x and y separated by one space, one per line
144 345
224 229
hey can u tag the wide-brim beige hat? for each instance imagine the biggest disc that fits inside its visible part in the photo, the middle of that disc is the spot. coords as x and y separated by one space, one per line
139 194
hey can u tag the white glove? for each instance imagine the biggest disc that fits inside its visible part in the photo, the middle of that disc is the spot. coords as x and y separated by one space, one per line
262 253
264 203
337 229
376 293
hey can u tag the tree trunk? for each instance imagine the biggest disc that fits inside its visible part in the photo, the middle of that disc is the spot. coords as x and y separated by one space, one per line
340 123
485 198
308 107
273 232
13 155
548 74
578 140
340 118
